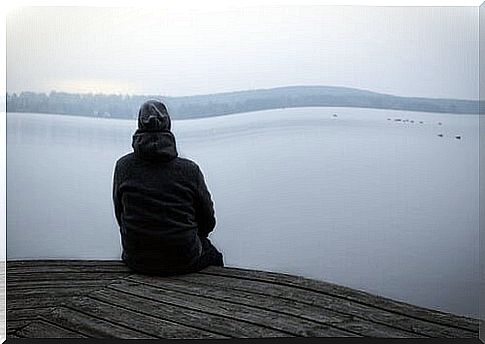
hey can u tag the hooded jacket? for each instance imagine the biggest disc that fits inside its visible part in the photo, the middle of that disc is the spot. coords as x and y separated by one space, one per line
161 201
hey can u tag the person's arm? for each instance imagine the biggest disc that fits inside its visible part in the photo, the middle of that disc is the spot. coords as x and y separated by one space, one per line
116 195
204 208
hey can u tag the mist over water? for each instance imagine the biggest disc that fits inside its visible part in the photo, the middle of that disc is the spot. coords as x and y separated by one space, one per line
358 199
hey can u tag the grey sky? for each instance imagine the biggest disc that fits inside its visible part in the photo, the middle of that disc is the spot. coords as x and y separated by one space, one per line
410 51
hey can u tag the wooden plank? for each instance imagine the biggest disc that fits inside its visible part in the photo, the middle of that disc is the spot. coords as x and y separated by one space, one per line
59 276
146 323
217 291
43 329
56 284
291 325
349 294
310 298
47 293
37 302
91 326
25 314
212 322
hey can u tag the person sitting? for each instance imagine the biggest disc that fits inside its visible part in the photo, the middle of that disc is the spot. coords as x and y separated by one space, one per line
161 202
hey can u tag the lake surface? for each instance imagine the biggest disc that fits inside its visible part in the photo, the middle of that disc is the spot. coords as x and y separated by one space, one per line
360 199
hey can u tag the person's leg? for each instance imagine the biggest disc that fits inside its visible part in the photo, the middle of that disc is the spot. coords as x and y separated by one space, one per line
210 255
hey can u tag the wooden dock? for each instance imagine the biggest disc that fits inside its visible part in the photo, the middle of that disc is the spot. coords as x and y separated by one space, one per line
101 299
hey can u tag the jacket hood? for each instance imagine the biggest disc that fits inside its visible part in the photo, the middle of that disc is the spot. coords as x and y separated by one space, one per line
154 145
153 116
153 139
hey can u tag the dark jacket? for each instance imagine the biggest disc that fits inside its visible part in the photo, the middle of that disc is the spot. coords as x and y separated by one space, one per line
161 201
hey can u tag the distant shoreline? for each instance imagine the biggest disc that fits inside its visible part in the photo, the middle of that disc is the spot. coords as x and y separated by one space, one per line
230 114
219 104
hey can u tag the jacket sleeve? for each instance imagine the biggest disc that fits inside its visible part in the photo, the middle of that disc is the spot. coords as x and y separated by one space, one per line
116 195
204 208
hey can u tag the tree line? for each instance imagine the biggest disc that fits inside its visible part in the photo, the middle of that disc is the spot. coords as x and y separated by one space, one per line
126 106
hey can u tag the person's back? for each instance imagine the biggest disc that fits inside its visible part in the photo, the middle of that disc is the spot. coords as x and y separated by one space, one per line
161 202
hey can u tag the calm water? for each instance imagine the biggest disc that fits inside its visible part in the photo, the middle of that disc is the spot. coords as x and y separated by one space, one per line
359 200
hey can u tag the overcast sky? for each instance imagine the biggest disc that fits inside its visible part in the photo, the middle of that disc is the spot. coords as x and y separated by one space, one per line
409 51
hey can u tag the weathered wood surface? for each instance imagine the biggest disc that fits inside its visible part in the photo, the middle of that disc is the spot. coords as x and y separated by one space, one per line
104 299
